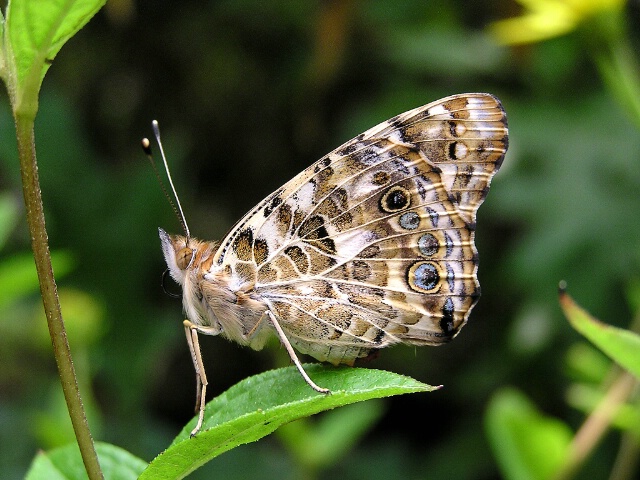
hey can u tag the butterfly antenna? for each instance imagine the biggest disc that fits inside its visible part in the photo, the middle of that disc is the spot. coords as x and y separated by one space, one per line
177 208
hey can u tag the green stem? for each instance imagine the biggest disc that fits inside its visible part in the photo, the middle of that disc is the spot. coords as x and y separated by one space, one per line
616 60
620 72
48 290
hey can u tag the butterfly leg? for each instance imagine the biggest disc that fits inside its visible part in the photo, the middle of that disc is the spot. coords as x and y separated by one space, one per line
292 354
191 332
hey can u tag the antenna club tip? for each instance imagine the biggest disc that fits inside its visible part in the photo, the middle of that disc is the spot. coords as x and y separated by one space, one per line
146 146
156 131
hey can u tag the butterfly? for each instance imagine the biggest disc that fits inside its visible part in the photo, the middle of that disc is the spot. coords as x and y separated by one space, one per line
370 246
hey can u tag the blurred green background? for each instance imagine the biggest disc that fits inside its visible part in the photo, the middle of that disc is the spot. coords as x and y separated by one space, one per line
248 93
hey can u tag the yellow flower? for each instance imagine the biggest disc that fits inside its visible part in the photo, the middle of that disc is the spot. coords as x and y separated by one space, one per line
545 19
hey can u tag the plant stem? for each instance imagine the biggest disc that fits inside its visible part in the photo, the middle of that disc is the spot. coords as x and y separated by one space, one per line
48 290
616 60
597 424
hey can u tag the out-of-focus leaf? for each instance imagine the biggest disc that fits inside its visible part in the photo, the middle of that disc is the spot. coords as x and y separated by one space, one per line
527 444
321 444
18 275
84 317
586 363
65 463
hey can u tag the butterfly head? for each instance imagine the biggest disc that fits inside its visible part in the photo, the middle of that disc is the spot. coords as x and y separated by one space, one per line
179 253
186 255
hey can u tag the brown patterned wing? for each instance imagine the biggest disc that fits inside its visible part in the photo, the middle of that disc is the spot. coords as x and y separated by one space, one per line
373 244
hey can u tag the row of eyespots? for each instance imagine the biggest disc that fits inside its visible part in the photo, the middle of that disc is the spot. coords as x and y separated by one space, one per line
398 198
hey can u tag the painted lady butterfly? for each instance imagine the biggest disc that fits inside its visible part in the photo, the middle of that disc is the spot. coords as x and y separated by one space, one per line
371 246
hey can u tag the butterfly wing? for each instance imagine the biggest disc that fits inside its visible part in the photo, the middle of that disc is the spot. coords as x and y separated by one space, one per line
374 243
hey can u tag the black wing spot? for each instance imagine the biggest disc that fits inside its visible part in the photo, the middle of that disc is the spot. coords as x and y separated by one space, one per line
395 199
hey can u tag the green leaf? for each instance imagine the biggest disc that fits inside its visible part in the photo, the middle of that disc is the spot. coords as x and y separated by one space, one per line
527 444
65 463
18 275
34 33
585 363
259 405
623 346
